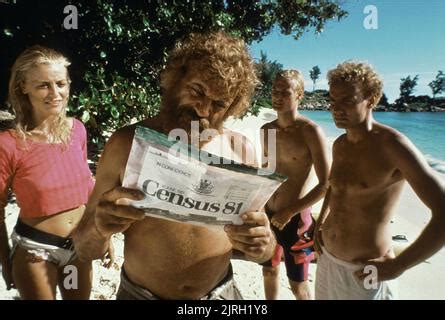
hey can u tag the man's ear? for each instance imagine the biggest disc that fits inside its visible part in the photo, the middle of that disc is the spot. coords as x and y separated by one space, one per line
372 102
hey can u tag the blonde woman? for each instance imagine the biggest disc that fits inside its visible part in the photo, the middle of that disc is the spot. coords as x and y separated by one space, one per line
43 160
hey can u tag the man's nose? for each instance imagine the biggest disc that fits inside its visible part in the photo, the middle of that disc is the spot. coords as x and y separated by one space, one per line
202 108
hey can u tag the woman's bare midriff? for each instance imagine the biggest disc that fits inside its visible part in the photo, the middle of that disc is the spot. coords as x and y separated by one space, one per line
61 224
176 260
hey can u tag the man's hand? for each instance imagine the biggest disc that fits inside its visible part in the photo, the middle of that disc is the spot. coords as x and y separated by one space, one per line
254 237
281 219
7 275
114 213
387 269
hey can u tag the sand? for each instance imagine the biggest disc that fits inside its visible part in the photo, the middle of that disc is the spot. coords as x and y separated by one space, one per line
421 282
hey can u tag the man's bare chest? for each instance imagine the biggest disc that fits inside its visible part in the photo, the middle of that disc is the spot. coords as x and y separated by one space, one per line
362 172
291 147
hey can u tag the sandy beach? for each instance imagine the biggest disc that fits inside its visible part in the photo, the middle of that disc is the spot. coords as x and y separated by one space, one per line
421 282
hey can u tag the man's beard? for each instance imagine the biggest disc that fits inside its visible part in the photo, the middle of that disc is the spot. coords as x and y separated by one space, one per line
184 117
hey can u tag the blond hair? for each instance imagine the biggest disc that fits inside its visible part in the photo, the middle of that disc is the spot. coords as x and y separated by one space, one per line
58 128
361 73
295 75
223 59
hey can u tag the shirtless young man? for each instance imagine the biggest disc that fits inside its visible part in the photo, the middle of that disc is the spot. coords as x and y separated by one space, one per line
371 162
207 79
300 144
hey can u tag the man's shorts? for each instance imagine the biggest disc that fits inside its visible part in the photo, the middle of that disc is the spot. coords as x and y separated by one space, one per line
296 242
225 290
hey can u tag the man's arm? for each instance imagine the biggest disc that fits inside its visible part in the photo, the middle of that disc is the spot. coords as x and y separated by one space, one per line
316 143
406 158
107 211
324 212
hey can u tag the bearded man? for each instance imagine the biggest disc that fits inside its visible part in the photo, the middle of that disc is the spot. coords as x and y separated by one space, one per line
208 78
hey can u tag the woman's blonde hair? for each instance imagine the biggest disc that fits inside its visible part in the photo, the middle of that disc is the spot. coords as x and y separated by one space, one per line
223 59
58 128
361 73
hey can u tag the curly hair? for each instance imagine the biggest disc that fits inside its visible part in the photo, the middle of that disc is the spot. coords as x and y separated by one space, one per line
224 61
58 127
296 75
358 72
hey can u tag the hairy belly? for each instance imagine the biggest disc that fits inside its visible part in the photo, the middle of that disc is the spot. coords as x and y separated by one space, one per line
352 240
176 260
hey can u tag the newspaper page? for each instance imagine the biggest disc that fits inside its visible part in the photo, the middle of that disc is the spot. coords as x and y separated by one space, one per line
178 186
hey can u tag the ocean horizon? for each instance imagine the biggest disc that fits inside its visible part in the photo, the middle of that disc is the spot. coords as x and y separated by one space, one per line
425 129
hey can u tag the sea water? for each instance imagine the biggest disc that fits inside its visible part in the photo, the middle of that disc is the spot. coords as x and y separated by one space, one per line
425 129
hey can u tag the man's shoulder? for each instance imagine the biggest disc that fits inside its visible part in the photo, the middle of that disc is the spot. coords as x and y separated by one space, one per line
126 134
339 141
269 125
311 130
122 135
308 126
386 135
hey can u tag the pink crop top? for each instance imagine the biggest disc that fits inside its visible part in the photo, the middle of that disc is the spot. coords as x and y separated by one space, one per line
45 178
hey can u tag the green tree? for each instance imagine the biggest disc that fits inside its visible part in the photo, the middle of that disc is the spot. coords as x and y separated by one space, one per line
407 86
121 46
384 101
314 73
438 85
266 71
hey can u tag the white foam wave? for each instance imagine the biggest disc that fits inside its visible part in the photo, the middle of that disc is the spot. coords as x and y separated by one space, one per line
436 164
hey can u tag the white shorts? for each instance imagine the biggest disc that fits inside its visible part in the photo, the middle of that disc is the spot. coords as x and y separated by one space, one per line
51 253
335 280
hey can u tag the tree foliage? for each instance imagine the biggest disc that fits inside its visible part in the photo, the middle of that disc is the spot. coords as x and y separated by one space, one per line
121 46
407 86
267 70
384 101
314 74
438 85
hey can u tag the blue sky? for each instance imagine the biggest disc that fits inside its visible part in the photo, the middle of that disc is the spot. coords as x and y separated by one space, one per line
409 40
